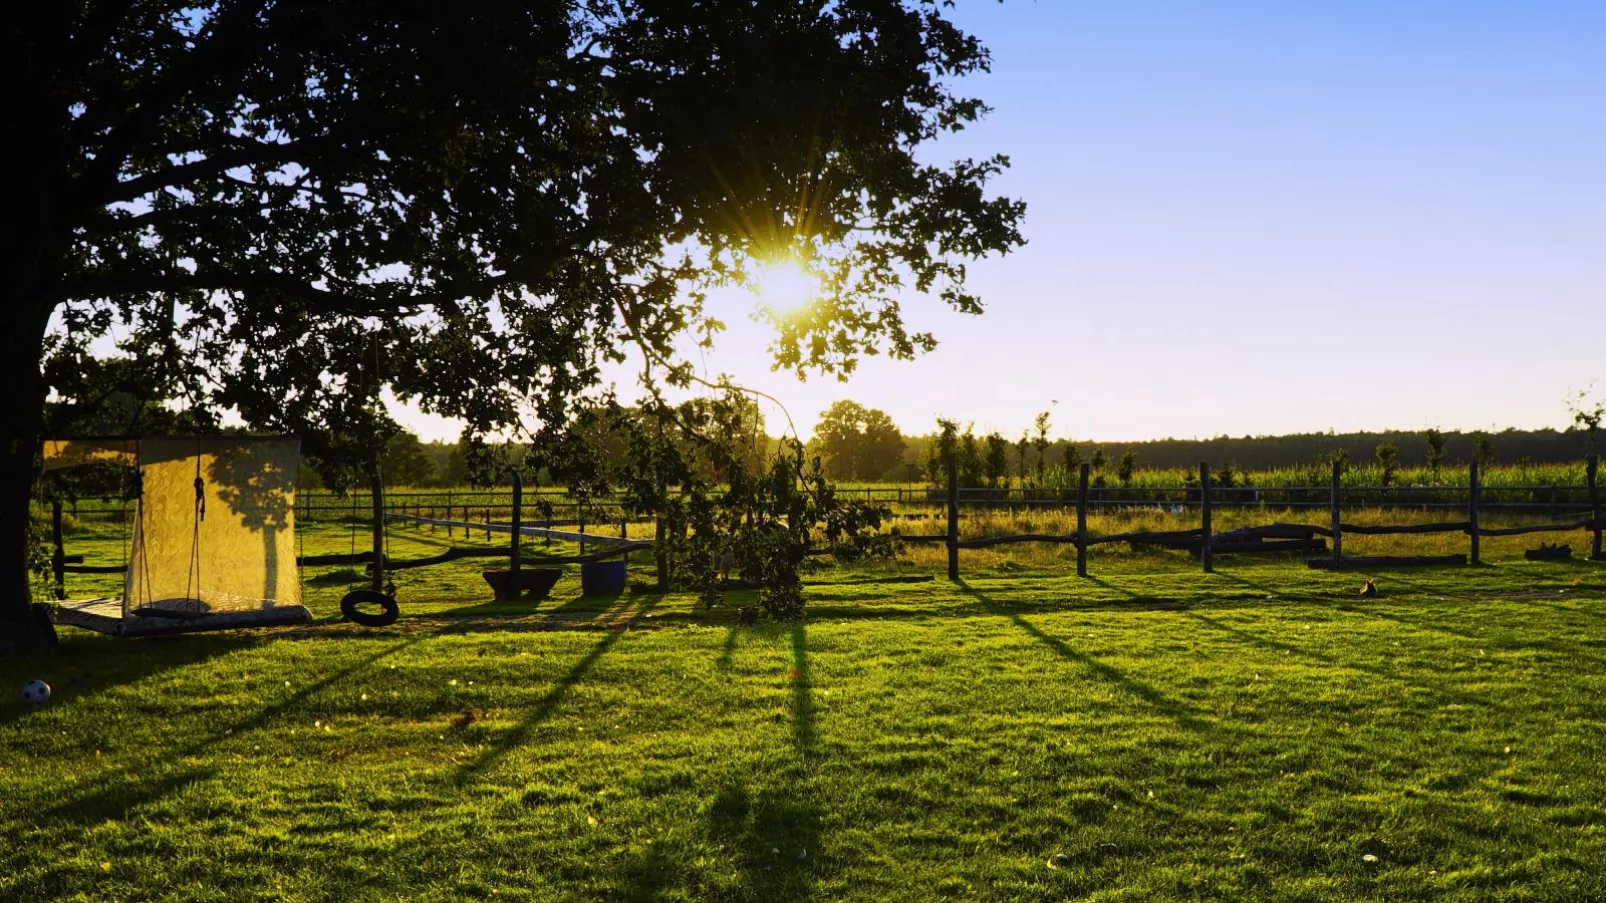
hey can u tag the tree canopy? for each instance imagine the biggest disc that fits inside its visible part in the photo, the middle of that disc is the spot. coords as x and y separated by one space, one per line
283 209
857 443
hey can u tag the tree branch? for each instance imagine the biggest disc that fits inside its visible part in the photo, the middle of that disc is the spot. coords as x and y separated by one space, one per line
253 154
399 303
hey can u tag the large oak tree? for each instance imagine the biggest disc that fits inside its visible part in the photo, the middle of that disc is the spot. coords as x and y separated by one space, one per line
281 208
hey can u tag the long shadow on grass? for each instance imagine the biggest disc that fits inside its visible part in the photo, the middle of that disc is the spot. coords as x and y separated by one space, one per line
1180 712
1415 624
1328 660
771 836
83 666
112 793
772 833
802 694
515 736
727 652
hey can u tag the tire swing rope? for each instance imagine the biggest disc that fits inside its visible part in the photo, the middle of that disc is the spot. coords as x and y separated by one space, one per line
388 610
192 575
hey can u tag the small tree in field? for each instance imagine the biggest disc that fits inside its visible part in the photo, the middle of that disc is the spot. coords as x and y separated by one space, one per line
1040 442
1435 440
997 462
1129 463
1072 456
971 469
947 446
931 464
1339 456
1388 458
1483 450
1021 456
1588 413
1098 461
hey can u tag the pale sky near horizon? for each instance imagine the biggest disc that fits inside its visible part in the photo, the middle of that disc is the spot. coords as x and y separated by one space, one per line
1258 218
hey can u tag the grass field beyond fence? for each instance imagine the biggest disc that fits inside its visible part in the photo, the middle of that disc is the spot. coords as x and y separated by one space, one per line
1153 733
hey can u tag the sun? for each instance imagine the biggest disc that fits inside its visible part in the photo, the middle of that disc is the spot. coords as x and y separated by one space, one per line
786 287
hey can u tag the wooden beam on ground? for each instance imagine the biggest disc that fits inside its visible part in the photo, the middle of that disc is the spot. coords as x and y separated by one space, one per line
1394 530
1152 537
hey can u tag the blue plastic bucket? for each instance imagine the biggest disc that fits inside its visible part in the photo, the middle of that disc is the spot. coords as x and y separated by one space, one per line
602 578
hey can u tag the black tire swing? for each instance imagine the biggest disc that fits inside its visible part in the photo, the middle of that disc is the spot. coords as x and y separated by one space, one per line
351 604
388 612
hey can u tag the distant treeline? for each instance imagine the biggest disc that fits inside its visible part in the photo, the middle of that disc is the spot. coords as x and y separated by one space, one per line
1547 446
862 444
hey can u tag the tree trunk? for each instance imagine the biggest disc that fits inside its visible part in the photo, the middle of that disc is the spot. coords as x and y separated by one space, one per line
21 343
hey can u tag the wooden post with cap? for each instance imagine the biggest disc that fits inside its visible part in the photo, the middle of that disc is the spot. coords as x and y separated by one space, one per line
1593 472
953 517
516 532
1081 520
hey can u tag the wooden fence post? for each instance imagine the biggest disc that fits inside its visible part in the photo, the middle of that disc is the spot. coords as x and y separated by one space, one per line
953 517
1081 520
487 525
1593 470
58 557
1338 533
515 534
580 515
448 514
1204 517
660 554
376 493
1472 507
624 534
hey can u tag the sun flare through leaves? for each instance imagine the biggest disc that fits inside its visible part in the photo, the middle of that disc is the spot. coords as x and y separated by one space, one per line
786 287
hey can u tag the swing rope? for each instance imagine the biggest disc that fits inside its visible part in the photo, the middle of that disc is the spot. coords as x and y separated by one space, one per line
192 576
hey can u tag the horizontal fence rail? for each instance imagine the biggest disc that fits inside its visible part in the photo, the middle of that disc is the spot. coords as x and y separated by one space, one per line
315 505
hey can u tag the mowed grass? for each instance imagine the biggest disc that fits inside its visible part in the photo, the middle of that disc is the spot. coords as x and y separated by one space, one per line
1259 733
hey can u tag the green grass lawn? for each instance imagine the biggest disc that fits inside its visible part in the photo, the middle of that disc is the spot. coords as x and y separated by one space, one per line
1260 733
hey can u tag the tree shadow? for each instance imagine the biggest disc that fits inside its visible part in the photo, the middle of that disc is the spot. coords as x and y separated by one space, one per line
773 834
148 786
1387 674
1182 713
802 701
514 737
1374 612
727 652
83 666
601 604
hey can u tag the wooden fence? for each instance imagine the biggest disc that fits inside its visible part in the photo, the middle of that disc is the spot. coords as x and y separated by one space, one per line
1269 537
1276 536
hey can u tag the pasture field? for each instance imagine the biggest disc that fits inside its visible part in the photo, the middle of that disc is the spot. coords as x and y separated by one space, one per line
1152 733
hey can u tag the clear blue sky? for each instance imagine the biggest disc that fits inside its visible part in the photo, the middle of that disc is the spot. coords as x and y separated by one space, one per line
1267 217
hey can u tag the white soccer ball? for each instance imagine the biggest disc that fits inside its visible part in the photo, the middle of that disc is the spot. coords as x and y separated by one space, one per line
35 692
